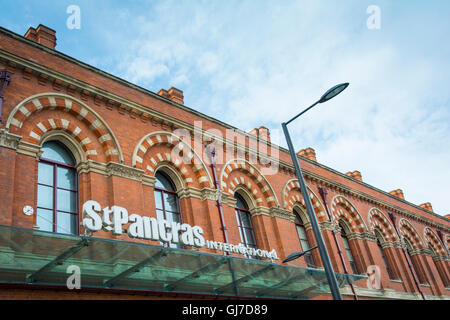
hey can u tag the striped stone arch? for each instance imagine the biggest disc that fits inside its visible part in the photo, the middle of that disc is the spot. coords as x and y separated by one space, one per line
447 241
179 154
432 238
292 196
251 178
407 230
74 109
341 207
378 220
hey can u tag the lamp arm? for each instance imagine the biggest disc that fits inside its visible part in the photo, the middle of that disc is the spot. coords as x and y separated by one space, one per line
301 113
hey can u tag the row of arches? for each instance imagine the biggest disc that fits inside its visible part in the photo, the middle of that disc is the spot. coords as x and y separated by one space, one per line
78 126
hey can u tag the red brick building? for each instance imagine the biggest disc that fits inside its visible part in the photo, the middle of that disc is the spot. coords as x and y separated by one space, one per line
71 133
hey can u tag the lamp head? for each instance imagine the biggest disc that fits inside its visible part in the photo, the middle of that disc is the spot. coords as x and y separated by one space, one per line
333 92
293 256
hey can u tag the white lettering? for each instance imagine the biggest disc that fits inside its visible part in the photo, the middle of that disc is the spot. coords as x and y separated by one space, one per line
163 234
136 229
120 217
187 237
92 221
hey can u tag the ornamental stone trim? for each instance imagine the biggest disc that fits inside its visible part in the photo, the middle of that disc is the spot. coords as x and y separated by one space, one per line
257 211
281 213
327 225
123 171
9 140
29 149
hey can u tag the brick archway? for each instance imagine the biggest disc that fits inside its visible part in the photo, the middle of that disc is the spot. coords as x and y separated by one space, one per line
431 237
378 220
76 112
292 196
407 230
172 149
240 172
342 207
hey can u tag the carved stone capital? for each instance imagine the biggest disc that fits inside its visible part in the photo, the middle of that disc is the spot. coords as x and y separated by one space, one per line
256 211
368 236
123 171
9 140
91 166
327 225
29 149
227 199
209 194
281 213
189 193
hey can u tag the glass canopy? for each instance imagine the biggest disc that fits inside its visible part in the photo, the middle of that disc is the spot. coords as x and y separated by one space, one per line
39 257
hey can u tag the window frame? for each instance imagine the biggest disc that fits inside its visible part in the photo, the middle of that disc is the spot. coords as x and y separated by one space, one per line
55 165
241 226
164 210
391 274
348 248
309 258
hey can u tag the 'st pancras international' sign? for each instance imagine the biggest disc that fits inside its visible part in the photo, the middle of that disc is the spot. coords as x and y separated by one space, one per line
113 219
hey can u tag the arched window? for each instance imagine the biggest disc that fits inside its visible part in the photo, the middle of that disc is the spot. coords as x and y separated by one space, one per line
347 248
57 194
167 202
244 222
379 240
409 249
304 242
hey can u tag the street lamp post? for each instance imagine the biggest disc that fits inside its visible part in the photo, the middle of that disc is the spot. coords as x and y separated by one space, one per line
331 276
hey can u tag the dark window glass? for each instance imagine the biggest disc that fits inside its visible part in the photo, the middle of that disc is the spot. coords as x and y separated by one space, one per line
416 268
57 190
304 242
244 223
167 202
388 269
348 250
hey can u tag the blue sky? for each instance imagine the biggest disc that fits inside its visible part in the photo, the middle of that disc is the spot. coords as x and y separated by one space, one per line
253 63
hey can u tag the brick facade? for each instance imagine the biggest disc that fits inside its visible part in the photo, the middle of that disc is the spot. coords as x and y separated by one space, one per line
121 134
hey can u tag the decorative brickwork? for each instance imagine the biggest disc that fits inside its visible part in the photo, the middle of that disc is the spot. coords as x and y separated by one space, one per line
341 207
378 219
292 196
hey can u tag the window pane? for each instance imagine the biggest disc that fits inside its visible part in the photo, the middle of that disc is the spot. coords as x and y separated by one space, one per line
158 199
56 151
305 245
44 219
45 174
301 233
176 217
245 218
66 223
67 201
159 214
240 202
170 202
309 260
249 236
45 197
163 182
66 178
